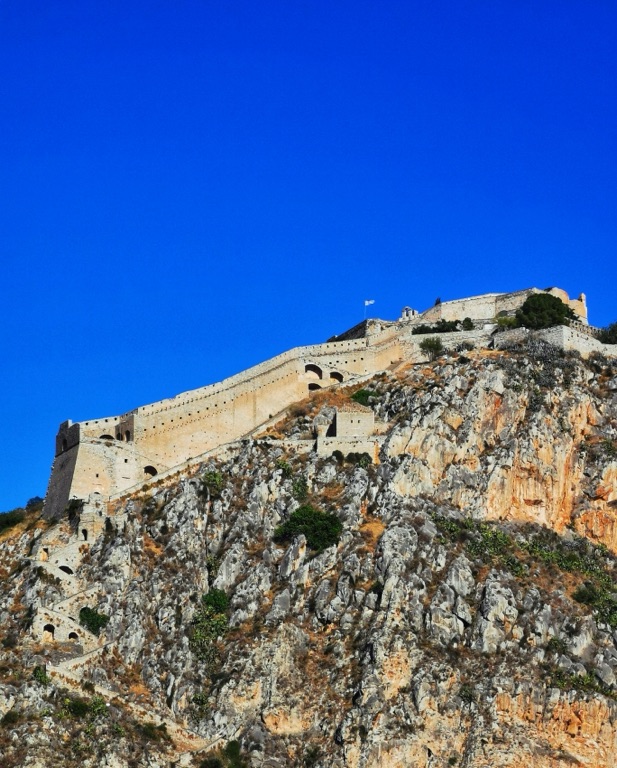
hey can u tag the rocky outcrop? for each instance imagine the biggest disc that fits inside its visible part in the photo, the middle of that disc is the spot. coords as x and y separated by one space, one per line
465 614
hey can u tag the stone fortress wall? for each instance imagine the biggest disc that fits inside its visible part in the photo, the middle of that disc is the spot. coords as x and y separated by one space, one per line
491 305
105 457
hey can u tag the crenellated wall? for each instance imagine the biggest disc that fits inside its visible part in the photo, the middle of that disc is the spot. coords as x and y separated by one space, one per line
108 456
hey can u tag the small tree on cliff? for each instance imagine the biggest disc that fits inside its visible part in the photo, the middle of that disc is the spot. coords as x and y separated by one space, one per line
432 347
542 310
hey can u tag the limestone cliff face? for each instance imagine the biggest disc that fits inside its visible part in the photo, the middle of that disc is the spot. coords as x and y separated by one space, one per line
467 615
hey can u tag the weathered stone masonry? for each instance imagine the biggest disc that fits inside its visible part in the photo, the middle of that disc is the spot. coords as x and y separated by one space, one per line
104 457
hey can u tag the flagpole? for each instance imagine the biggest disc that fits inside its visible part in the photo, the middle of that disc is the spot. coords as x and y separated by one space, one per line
366 304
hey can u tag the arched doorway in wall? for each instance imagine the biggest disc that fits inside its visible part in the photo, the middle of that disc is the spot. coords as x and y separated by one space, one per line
66 570
150 471
65 444
313 371
48 633
73 636
312 386
106 437
336 376
127 435
84 533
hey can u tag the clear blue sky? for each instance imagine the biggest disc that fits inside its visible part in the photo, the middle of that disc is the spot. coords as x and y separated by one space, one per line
190 187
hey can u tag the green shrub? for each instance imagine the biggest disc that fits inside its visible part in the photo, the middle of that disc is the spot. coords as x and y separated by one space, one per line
76 707
442 326
98 707
285 467
211 762
92 620
507 322
321 529
208 624
542 310
466 693
363 396
217 600
40 675
432 347
212 485
338 455
361 459
556 645
233 754
10 718
299 489
212 566
468 324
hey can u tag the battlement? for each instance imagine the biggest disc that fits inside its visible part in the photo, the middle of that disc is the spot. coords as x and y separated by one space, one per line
105 457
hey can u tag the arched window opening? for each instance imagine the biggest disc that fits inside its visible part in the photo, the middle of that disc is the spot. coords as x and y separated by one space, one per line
312 387
73 636
65 444
119 436
44 554
84 533
48 633
313 371
106 437
127 435
336 376
150 471
66 570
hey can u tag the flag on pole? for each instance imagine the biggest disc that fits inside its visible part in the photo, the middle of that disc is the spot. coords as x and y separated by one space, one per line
367 302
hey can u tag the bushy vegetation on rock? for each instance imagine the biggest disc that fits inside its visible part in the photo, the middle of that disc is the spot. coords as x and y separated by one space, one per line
441 326
543 310
92 620
608 335
432 347
321 529
364 396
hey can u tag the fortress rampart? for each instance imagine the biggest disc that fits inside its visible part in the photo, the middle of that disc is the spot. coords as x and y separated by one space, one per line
110 455
491 305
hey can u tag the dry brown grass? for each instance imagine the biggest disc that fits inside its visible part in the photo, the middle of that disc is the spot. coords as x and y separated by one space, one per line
332 492
152 549
371 531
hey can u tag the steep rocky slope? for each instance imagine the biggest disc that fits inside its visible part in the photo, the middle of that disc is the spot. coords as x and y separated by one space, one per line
467 615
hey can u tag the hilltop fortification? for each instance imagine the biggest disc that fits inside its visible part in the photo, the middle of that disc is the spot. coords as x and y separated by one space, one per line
101 459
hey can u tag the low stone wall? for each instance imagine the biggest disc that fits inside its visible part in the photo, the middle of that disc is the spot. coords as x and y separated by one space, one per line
570 337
